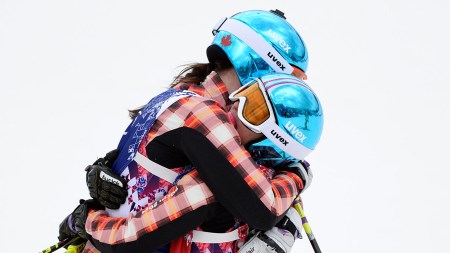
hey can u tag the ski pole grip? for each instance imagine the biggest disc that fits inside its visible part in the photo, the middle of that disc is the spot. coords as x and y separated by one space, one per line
58 245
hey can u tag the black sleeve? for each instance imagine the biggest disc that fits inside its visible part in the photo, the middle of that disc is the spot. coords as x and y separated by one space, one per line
228 186
165 234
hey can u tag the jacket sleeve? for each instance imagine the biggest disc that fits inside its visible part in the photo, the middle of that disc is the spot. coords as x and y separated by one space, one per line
186 206
211 143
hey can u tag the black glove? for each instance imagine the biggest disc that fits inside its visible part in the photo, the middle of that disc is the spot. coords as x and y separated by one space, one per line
109 158
74 224
104 184
303 170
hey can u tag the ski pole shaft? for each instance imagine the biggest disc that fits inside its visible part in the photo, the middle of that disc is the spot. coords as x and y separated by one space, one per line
58 245
306 226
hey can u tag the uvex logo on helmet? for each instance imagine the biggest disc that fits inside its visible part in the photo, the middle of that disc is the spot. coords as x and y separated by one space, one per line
279 137
282 43
279 64
295 131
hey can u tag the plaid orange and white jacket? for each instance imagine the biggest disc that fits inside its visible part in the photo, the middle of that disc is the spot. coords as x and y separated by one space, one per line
206 114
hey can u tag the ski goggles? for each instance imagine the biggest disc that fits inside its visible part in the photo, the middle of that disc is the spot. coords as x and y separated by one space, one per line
255 112
254 106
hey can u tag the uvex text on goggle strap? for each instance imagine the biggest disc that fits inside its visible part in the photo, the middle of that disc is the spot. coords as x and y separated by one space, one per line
256 112
256 42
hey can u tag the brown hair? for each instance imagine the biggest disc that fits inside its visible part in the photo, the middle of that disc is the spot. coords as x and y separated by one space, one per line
193 73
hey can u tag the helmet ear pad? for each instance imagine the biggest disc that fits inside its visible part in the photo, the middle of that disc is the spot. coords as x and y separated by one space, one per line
217 57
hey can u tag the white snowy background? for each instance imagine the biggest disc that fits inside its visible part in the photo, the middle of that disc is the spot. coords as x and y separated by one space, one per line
69 70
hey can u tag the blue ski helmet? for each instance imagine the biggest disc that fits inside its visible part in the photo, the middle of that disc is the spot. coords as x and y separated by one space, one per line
258 42
292 121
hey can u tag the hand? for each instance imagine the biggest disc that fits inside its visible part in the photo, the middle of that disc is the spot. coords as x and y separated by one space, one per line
74 224
104 184
108 159
303 170
292 222
279 239
275 240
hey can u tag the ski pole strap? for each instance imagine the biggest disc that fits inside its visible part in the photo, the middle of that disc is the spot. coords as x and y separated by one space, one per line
59 245
270 243
155 169
287 224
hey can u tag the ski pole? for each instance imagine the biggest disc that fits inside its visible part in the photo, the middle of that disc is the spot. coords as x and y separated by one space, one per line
75 248
306 226
59 245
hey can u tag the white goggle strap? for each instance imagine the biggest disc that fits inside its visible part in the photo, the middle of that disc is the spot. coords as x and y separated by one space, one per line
284 141
256 42
243 100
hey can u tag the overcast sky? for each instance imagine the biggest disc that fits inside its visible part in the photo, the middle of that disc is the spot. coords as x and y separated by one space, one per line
69 70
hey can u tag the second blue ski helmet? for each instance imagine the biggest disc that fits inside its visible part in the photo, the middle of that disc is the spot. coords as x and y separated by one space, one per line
286 110
258 42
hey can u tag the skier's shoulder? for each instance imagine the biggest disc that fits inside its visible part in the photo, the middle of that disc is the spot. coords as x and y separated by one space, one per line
198 102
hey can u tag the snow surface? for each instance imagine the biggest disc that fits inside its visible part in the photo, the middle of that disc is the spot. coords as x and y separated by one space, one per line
69 70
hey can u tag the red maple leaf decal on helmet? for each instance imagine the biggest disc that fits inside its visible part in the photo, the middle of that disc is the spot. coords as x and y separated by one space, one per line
226 40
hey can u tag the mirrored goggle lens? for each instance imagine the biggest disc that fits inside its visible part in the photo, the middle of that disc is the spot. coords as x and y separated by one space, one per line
255 109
